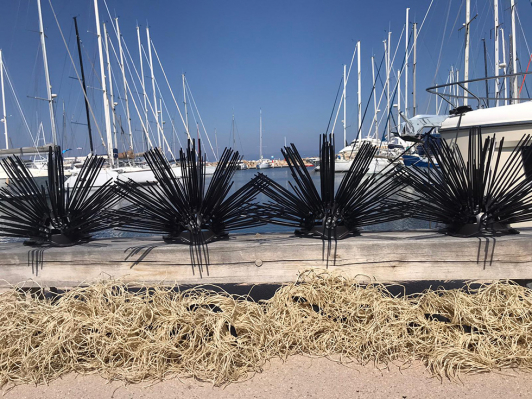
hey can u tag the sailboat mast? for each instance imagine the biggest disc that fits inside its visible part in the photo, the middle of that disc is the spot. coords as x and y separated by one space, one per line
345 108
406 62
388 74
486 73
111 95
185 101
110 154
515 95
399 100
466 56
47 76
359 93
216 139
4 114
503 65
124 81
496 14
84 85
233 130
414 72
153 87
375 119
260 132
145 125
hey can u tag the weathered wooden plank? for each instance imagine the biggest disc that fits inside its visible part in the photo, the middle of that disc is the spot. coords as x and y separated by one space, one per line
272 258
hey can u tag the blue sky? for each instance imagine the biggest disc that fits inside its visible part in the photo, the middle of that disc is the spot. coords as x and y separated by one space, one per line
285 57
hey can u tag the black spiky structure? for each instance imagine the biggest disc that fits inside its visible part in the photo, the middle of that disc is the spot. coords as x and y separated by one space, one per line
54 214
476 196
361 199
183 209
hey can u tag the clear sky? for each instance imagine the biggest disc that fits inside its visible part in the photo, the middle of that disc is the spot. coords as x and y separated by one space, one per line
284 57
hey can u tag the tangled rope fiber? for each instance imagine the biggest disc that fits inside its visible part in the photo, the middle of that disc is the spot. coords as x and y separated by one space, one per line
154 333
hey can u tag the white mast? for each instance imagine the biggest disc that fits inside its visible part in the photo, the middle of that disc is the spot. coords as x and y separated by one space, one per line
496 13
515 95
155 114
49 94
345 110
466 57
260 134
388 73
4 115
232 130
185 101
216 139
110 75
503 65
145 125
406 64
124 81
398 100
414 72
162 120
457 88
375 110
110 154
359 93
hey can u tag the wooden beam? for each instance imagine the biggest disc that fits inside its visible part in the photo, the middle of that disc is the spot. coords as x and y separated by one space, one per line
272 258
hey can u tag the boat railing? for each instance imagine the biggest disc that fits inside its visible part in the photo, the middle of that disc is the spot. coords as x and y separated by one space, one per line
451 91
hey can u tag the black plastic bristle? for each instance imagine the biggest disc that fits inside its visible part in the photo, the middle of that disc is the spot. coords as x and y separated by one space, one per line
476 196
184 209
361 199
53 214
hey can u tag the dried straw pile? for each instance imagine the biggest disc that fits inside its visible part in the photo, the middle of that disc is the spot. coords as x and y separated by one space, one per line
155 333
132 336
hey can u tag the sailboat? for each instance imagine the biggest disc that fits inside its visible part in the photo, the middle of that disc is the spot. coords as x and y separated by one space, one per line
262 163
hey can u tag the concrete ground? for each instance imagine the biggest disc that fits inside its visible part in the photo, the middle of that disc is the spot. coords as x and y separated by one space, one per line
299 377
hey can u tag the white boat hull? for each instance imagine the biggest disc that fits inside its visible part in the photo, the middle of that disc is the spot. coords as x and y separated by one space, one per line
103 177
377 165
264 165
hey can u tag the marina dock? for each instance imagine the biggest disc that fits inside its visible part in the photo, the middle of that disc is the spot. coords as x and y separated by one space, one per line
272 258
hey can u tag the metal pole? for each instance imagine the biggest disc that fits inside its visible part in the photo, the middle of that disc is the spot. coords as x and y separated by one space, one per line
414 72
185 102
399 100
4 114
49 94
466 57
388 75
496 13
503 65
486 73
156 116
124 81
145 125
359 90
345 109
233 129
109 73
83 85
375 119
515 95
406 63
216 138
110 154
260 135
162 121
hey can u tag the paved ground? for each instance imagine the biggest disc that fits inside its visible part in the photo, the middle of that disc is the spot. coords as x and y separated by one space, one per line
299 377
